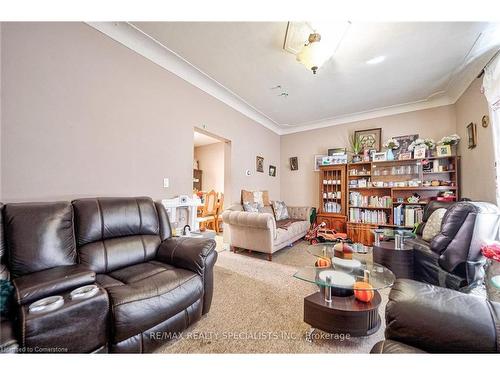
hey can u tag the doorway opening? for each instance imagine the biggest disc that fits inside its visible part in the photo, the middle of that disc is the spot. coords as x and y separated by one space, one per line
211 179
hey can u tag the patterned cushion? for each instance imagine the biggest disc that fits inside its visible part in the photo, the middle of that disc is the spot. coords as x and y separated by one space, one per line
261 197
433 225
280 210
252 207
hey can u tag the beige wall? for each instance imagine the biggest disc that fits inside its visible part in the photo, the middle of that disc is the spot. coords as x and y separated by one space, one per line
301 187
478 164
211 162
83 115
1 196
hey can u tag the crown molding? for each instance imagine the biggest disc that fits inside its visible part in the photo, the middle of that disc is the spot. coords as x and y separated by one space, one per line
370 114
148 47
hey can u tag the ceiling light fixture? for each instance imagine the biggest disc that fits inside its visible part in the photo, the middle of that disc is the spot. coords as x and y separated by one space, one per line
314 54
376 60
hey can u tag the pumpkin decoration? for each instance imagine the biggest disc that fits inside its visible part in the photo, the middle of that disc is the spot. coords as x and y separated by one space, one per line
363 291
323 263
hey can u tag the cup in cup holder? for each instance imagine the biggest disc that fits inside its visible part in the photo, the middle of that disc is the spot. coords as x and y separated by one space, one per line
84 292
46 304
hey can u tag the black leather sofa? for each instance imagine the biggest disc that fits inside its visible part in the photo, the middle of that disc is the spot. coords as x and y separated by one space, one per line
453 258
424 318
151 285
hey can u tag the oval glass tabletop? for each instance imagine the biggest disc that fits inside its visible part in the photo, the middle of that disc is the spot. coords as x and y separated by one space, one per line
390 234
344 273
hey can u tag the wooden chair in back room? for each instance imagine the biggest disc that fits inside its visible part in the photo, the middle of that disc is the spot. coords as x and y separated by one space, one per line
209 212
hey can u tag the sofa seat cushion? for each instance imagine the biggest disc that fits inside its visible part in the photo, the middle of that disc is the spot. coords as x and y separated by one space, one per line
296 229
151 292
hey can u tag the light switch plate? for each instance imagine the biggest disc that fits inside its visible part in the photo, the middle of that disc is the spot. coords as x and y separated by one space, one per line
166 182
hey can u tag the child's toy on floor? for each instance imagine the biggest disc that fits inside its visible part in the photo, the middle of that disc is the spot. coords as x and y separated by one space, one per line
319 233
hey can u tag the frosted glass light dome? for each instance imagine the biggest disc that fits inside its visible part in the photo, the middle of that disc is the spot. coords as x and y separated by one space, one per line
313 55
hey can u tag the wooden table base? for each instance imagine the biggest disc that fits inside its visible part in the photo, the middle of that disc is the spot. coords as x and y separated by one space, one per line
400 262
343 314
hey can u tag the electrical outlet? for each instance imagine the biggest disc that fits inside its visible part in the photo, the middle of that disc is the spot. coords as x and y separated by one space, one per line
166 182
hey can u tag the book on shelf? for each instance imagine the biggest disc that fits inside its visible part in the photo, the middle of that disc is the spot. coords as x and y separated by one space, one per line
367 216
360 200
408 215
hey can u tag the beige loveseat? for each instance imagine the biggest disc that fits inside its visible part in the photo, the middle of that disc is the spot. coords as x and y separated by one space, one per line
259 232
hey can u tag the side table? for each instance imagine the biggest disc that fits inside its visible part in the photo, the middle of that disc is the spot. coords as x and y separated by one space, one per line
399 261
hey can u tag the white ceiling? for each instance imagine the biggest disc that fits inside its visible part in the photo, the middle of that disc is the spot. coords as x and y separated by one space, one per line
426 64
201 139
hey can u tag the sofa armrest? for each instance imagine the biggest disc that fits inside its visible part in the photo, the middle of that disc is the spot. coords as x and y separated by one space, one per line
299 212
186 252
440 320
41 284
195 254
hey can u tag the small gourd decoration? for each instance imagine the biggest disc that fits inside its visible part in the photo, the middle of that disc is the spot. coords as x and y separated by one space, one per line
323 263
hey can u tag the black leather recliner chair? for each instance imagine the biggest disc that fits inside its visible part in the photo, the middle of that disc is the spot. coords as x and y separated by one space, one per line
426 318
150 284
453 258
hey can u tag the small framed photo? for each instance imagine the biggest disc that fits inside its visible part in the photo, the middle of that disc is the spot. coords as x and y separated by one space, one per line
272 171
318 161
294 163
338 150
379 156
444 150
405 156
419 151
259 164
472 135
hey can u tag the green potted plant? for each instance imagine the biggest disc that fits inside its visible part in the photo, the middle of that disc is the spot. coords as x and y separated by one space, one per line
356 148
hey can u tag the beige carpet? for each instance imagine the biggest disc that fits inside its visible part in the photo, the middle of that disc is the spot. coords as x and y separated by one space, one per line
257 308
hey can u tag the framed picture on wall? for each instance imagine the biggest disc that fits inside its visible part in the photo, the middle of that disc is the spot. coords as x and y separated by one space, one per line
472 135
369 138
259 164
272 171
404 142
294 163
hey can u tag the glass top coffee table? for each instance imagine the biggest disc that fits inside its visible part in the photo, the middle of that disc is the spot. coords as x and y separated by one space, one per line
345 282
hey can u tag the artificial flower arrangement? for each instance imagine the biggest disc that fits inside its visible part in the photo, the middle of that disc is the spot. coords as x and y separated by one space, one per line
391 144
491 251
428 142
450 140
